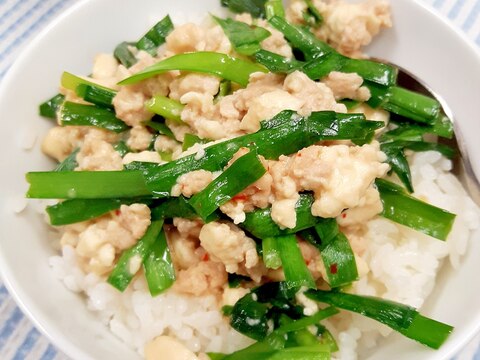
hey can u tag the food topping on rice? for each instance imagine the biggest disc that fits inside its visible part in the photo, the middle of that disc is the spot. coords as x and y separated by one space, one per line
253 187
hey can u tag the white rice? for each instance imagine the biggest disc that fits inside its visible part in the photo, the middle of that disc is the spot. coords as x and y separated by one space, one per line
403 264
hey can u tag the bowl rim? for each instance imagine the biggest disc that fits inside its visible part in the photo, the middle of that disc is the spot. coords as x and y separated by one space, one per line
15 289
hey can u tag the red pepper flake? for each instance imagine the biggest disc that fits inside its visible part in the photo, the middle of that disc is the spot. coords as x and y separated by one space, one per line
118 212
299 155
240 197
333 268
205 257
344 215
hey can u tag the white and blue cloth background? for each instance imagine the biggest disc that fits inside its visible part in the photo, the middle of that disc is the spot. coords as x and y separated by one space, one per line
20 21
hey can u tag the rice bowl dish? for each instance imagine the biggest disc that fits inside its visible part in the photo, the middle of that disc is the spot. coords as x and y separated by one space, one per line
391 260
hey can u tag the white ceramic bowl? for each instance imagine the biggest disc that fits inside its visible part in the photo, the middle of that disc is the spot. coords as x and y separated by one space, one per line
420 41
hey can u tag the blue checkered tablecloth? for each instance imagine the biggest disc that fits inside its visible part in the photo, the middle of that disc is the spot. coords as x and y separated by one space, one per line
20 21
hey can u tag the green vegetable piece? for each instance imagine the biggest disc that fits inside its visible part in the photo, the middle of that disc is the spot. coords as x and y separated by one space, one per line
271 254
399 317
285 137
412 105
224 66
443 126
190 139
155 36
256 8
397 160
87 115
249 317
427 331
312 352
277 63
307 321
328 339
261 225
86 185
350 104
173 207
301 38
337 254
123 54
159 270
274 8
161 128
122 148
131 259
404 209
320 67
322 58
312 16
227 310
294 267
224 90
96 95
399 164
50 107
243 172
76 210
70 162
245 39
405 132
71 82
235 280
166 107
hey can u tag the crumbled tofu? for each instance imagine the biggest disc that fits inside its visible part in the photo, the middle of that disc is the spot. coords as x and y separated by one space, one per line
231 295
144 156
347 86
98 241
104 66
60 141
340 176
199 83
348 26
205 277
229 245
283 212
139 138
267 106
371 113
191 37
166 347
368 206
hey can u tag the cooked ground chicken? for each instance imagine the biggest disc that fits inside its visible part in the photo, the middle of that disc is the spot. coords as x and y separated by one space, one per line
97 155
191 183
347 86
140 138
